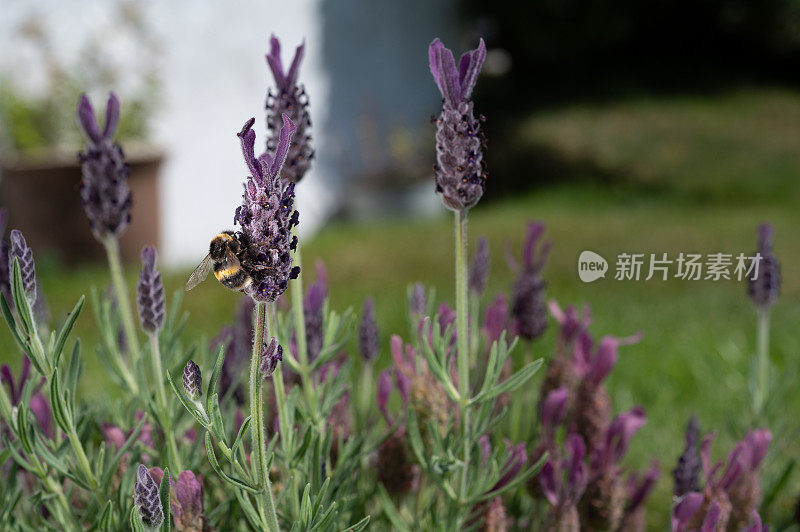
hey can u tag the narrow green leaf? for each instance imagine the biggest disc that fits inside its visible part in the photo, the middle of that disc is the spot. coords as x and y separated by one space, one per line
391 511
361 525
12 325
415 439
305 506
20 301
512 383
242 431
57 400
163 495
106 522
212 459
66 329
249 510
215 374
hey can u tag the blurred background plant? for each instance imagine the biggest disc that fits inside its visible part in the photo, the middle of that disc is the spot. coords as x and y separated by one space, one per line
34 103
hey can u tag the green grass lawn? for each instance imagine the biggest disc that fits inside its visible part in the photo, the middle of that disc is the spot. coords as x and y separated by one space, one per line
697 349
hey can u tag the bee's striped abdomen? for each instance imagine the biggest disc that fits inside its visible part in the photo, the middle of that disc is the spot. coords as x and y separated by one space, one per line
231 275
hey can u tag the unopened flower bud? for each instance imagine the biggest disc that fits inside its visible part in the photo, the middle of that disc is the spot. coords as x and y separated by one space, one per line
146 500
193 380
20 251
271 354
368 341
150 293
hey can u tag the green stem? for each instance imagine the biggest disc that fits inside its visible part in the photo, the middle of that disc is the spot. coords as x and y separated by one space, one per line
763 358
165 416
266 505
280 392
463 339
300 333
83 461
123 303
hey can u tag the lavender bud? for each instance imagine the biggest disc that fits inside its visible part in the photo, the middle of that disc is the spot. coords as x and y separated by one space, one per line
368 341
193 380
145 498
20 251
479 267
764 289
271 354
687 470
313 304
150 293
460 169
291 100
528 306
267 217
418 303
105 194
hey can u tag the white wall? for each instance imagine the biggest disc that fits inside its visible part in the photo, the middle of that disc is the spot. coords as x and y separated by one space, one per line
215 77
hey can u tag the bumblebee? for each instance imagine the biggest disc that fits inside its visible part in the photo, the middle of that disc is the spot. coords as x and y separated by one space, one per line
227 254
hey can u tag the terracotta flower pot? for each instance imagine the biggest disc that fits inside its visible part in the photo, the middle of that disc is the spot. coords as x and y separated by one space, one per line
42 200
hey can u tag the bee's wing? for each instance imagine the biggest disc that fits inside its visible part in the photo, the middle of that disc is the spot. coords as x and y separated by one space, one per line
200 273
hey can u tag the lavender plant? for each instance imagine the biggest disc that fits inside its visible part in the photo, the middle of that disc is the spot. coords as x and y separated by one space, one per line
299 433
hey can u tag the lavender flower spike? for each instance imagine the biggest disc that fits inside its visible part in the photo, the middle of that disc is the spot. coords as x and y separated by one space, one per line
687 471
104 191
528 304
20 251
479 267
271 354
150 293
145 498
193 380
460 169
291 100
267 217
368 341
764 289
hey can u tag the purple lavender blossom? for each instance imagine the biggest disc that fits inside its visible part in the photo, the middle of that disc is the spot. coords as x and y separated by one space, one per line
460 169
193 380
764 289
145 498
563 484
553 410
479 267
687 470
684 510
271 354
368 340
105 195
150 293
267 217
639 489
571 324
24 255
291 100
528 306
